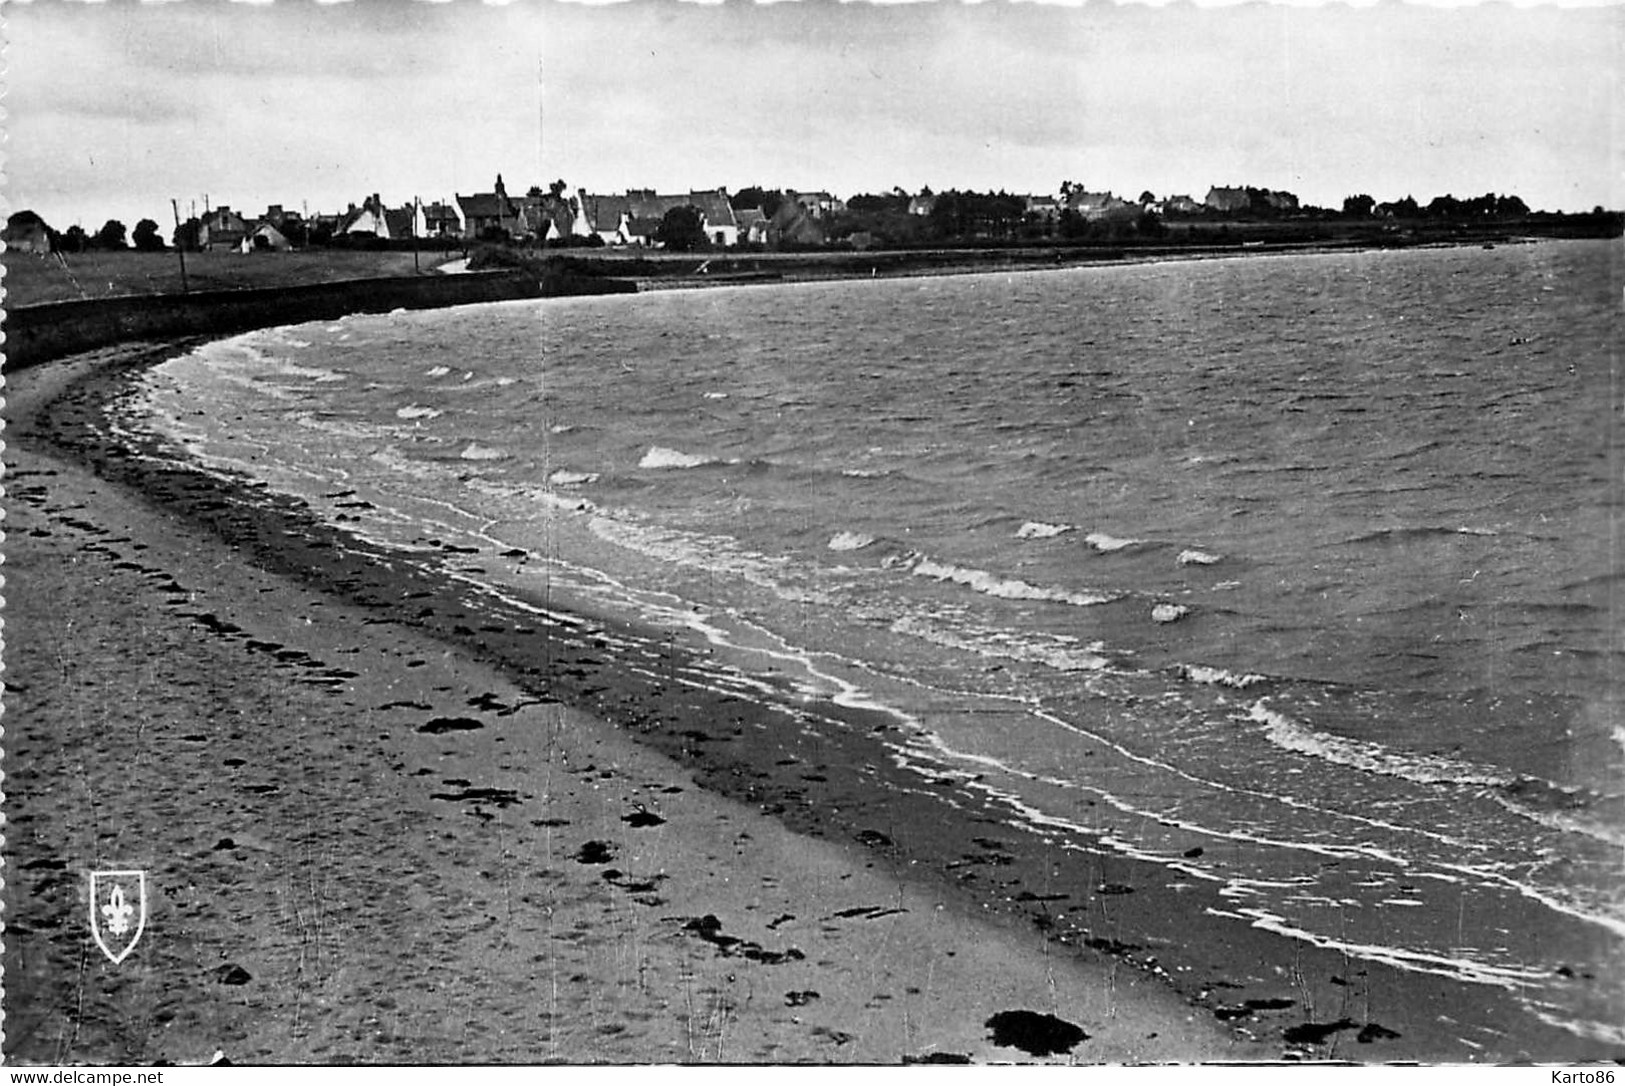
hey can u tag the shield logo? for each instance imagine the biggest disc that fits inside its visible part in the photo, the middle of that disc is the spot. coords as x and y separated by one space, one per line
118 911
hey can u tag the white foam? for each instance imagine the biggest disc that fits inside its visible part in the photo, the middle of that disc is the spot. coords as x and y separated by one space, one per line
849 541
572 478
476 451
1415 961
1169 612
1051 655
1100 541
417 411
659 457
1197 558
283 337
1218 676
1372 757
392 458
715 553
1005 588
278 366
1034 529
1606 1032
1564 823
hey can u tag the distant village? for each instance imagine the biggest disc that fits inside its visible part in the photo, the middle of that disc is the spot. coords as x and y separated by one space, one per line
754 218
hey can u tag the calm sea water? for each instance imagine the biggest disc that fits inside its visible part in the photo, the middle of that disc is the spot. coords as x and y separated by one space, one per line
1313 562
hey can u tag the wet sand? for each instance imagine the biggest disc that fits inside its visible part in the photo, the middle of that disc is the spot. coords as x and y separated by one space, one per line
382 823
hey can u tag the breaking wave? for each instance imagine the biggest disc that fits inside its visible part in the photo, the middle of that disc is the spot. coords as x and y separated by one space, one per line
1106 544
1038 530
849 541
1007 588
658 457
1218 676
1287 734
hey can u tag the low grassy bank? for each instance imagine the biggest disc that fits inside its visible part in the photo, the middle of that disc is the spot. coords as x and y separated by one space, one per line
69 277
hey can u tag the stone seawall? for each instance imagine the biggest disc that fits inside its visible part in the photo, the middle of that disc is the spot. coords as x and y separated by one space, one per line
41 333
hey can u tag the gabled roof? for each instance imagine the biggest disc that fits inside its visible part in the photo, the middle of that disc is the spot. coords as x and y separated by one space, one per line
646 204
1078 198
485 205
366 219
716 208
603 213
401 222
223 218
536 213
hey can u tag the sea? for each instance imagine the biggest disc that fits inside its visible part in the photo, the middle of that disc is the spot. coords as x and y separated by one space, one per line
1298 575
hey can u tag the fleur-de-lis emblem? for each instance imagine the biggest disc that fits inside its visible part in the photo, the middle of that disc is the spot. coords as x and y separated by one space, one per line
118 911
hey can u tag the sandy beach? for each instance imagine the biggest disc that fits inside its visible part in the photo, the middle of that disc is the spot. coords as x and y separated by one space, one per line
370 837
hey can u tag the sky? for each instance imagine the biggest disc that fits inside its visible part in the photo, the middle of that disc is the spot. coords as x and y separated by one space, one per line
115 108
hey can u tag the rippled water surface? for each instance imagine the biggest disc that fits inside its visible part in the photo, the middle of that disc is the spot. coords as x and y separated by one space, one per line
1312 562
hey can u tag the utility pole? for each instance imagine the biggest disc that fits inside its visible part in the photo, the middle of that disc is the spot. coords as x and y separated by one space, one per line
180 244
415 212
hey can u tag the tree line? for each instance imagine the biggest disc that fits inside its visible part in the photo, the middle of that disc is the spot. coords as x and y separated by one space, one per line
951 216
112 236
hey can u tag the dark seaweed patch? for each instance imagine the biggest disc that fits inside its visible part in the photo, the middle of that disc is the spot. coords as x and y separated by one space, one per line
596 852
233 974
442 724
1314 1033
1035 1034
499 797
709 928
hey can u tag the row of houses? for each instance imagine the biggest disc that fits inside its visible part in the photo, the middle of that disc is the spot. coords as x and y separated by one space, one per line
224 228
633 218
1105 206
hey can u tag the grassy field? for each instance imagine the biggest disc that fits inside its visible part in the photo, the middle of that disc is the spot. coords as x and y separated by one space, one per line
31 280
